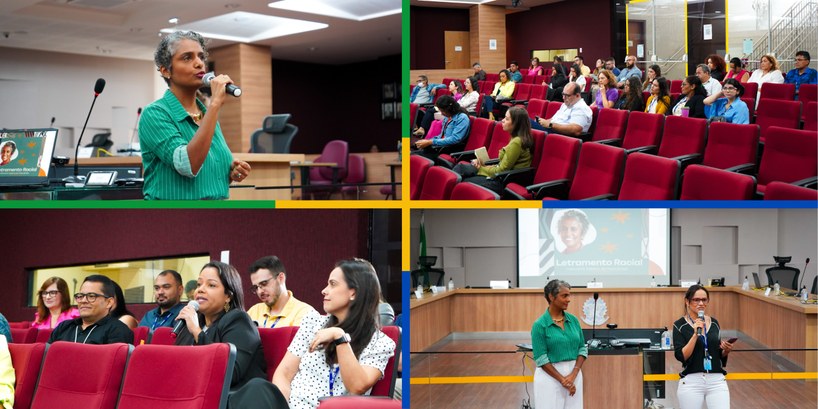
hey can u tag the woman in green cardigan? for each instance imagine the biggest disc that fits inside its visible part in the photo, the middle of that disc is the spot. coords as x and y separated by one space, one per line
559 352
515 155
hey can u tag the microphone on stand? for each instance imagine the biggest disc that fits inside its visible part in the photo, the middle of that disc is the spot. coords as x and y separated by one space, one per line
76 178
131 149
593 324
802 275
52 122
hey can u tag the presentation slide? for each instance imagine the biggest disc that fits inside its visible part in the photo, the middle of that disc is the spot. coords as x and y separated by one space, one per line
26 153
618 247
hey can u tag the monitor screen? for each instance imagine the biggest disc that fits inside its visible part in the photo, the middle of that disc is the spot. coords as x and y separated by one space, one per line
619 247
25 155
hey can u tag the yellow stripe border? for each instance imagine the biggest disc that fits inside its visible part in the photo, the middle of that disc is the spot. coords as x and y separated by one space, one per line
736 376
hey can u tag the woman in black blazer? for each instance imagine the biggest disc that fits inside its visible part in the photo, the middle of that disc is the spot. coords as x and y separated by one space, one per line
221 318
692 98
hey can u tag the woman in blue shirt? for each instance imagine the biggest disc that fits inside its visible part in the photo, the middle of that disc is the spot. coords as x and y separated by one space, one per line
455 130
727 104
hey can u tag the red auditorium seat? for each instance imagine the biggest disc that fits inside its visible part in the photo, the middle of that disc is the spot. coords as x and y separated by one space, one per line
599 172
386 385
356 173
811 116
413 112
643 133
751 107
610 125
26 360
479 135
786 114
162 336
786 191
649 177
539 79
23 335
557 163
808 93
789 156
201 378
772 90
20 324
522 93
750 89
552 109
683 139
487 86
470 191
730 145
43 335
140 335
706 183
537 107
358 402
675 87
438 183
274 342
84 376
499 139
418 166
538 91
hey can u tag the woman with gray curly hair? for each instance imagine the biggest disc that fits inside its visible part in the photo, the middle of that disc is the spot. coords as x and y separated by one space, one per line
559 351
184 154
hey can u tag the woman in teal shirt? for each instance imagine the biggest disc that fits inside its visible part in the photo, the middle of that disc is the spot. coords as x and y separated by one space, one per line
727 104
184 154
559 352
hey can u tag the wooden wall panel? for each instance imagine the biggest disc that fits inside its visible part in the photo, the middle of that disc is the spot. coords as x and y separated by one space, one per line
488 22
601 390
430 324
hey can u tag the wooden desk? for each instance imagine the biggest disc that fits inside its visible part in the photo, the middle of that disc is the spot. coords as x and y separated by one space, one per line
777 322
305 168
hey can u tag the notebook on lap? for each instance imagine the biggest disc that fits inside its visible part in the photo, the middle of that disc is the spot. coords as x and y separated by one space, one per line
25 156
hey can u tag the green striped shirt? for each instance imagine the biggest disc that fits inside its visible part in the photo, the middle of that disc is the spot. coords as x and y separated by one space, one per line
553 344
165 129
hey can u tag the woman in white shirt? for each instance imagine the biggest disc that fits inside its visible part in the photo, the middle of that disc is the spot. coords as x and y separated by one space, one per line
767 73
575 75
470 97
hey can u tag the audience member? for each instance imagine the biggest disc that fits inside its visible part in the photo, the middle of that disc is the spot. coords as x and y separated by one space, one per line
221 318
737 70
558 81
7 375
167 291
514 69
470 96
716 65
278 306
610 65
659 99
802 73
630 70
535 68
424 92
691 98
607 94
503 91
575 75
479 73
386 313
456 89
53 304
768 72
583 69
600 65
654 72
120 310
5 329
710 84
631 99
341 353
515 155
572 119
726 105
455 130
190 289
95 324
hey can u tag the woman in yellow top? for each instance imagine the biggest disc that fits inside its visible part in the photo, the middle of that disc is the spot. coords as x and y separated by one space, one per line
515 155
659 99
503 91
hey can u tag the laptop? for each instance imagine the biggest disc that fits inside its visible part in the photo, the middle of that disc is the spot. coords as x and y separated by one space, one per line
757 282
25 156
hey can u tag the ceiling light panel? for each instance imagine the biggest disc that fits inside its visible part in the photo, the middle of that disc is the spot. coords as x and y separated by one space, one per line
241 26
358 10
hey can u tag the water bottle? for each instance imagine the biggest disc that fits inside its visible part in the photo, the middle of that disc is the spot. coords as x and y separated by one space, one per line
804 294
653 281
451 284
666 339
777 288
746 284
419 291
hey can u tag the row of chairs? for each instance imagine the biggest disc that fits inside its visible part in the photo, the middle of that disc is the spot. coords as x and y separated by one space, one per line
789 157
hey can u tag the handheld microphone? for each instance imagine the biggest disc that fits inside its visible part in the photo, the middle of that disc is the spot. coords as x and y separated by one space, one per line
181 323
52 121
802 275
231 89
593 324
98 87
701 317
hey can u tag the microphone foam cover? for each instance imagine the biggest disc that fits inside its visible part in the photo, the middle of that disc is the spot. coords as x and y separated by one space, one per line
99 86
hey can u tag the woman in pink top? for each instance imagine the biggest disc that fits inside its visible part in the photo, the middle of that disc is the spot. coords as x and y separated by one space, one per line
535 68
737 70
53 304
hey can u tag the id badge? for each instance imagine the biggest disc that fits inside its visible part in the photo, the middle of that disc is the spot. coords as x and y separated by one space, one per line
708 366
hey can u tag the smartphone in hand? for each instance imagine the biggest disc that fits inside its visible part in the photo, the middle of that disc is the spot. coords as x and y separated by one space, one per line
732 340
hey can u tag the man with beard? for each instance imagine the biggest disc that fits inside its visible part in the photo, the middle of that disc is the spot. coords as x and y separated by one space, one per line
94 325
278 307
630 70
167 291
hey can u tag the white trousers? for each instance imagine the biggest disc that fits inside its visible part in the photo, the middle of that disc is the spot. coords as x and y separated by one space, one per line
550 394
699 388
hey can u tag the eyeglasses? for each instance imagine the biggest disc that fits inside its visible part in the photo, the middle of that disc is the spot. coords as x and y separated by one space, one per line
255 287
90 297
699 300
728 89
47 294
800 59
564 95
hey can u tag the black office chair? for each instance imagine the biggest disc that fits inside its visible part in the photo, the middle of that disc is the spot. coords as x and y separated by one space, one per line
435 274
101 141
787 277
814 285
274 136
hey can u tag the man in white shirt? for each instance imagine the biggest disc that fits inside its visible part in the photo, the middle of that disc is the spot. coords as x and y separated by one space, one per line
710 84
573 118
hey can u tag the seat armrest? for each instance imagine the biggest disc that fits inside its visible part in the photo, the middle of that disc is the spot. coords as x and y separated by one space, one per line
606 196
809 182
553 188
585 137
689 159
645 149
612 141
463 155
520 176
745 169
492 162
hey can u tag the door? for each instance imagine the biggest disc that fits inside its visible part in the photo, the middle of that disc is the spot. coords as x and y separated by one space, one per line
457 49
637 42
